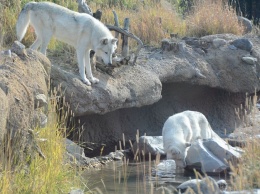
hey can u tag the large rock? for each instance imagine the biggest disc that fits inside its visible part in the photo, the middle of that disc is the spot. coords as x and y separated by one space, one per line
130 86
223 151
206 185
204 74
150 144
199 157
23 75
221 67
165 169
246 23
212 155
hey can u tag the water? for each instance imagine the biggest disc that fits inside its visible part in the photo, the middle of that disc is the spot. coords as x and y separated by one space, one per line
115 177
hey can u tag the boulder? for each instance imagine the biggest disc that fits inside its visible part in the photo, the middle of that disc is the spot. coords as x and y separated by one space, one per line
23 75
218 42
76 153
129 86
205 186
40 100
199 157
212 155
150 144
246 23
250 60
165 169
243 43
223 151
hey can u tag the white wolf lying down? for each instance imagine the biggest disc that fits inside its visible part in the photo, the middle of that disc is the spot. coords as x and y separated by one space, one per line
80 30
180 130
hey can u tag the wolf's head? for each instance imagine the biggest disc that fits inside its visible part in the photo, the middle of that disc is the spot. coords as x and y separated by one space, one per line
106 49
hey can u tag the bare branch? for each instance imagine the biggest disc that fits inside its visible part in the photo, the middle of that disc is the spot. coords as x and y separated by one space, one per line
125 47
116 23
83 7
120 30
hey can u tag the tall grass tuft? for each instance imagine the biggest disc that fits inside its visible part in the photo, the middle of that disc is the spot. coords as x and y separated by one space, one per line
246 174
38 175
150 23
212 17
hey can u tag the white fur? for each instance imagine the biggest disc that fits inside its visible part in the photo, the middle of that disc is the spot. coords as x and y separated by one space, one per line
79 30
180 130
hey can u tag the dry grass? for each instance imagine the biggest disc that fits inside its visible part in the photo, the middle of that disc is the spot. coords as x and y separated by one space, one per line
246 174
150 20
38 175
212 17
150 23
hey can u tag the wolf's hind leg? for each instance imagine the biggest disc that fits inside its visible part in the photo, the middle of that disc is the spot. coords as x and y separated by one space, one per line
36 44
45 41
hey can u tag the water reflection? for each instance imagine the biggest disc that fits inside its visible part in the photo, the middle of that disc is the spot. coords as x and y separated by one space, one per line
116 177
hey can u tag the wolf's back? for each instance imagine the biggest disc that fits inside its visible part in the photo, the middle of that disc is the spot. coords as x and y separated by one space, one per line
23 21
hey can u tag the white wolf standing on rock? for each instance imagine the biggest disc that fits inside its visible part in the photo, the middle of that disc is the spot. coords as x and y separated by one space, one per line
80 30
180 130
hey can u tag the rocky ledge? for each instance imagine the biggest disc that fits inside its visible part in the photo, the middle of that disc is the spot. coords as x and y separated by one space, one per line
212 75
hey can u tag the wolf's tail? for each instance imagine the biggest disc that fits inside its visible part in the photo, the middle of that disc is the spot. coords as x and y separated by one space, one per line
23 21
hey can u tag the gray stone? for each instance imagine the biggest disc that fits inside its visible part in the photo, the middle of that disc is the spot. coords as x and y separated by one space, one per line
129 86
18 48
150 144
22 76
212 155
199 157
117 155
76 191
169 45
250 60
232 47
7 53
243 43
73 148
206 185
218 42
165 169
253 191
40 100
222 150
39 119
246 23
76 155
200 51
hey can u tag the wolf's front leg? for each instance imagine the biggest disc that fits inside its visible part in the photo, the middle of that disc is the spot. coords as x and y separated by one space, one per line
88 68
179 157
81 65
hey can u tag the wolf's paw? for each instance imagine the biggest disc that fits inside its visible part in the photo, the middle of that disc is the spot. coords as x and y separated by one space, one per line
86 81
94 80
175 152
180 163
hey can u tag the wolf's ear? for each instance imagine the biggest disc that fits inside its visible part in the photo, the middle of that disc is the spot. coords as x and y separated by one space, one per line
114 40
104 41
